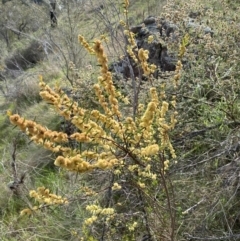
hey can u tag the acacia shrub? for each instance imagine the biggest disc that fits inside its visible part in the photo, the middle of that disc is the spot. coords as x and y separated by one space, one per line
131 152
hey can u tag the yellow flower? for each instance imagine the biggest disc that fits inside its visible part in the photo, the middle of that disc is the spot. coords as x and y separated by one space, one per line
150 39
164 108
122 23
149 114
102 163
133 226
33 194
116 186
89 221
60 161
166 165
141 185
126 3
150 150
107 211
26 211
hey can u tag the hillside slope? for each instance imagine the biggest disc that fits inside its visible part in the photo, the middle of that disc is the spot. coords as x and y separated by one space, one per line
193 196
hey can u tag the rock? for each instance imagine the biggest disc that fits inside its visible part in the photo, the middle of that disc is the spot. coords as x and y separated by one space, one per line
193 24
208 30
168 28
143 32
168 63
194 14
158 54
149 20
136 29
190 23
163 32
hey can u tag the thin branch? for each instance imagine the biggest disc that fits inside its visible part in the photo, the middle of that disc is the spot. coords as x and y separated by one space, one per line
14 185
193 207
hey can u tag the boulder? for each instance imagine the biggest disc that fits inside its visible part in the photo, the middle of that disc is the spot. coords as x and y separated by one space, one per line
163 32
158 52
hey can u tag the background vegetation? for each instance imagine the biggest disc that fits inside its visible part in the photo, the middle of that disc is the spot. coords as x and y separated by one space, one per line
203 181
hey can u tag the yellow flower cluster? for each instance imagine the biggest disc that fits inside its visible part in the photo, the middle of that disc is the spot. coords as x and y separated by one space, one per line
85 44
133 226
62 103
105 79
43 195
125 4
75 163
173 120
81 137
182 47
155 114
116 186
173 102
143 172
40 134
164 109
154 95
141 185
102 99
106 163
131 39
80 163
109 123
88 191
147 173
129 127
150 39
131 53
123 23
28 211
144 131
166 164
101 56
90 221
149 114
177 74
90 130
132 168
150 150
45 198
97 210
143 57
47 93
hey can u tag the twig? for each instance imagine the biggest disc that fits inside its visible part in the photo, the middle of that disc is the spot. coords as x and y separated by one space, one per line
193 207
14 185
109 197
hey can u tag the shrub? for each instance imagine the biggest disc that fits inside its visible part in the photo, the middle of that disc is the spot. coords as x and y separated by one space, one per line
124 145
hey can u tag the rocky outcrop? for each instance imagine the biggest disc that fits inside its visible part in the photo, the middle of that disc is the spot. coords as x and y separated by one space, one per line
158 52
163 32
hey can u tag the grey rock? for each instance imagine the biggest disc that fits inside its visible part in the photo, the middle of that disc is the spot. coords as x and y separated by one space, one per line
168 63
208 30
136 29
149 20
143 32
194 14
